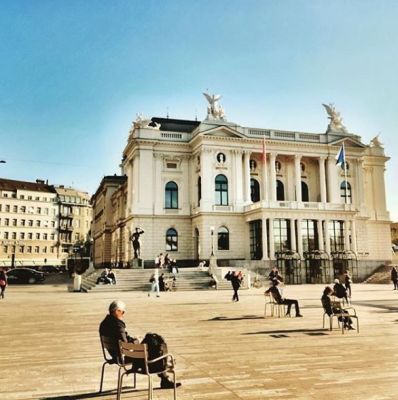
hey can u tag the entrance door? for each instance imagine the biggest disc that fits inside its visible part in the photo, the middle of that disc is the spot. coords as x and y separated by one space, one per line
197 245
256 239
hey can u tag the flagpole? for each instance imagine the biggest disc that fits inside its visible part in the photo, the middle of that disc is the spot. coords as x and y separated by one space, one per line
345 175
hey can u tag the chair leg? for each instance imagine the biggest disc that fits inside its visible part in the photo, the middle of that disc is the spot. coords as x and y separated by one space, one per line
149 387
120 385
175 385
102 376
135 380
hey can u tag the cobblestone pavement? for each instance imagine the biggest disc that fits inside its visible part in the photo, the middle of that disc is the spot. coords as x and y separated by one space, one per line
49 346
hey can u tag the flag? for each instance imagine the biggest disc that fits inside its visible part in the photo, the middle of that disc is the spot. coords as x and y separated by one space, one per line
264 155
340 157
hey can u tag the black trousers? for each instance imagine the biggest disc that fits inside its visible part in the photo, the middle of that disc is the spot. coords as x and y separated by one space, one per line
289 303
235 296
2 290
395 284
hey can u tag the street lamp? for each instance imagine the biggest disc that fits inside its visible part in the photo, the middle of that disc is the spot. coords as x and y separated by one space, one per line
212 240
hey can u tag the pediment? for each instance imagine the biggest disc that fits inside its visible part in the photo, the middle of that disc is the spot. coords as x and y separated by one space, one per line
348 142
223 131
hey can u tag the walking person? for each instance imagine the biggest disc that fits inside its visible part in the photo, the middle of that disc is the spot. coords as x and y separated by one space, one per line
347 282
154 281
394 277
236 281
3 283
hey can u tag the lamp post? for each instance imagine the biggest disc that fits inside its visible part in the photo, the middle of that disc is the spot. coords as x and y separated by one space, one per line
212 240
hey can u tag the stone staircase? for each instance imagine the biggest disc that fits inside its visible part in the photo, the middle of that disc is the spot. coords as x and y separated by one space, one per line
138 280
381 275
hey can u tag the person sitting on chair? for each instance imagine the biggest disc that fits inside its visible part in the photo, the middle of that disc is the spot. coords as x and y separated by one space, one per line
329 310
114 328
276 294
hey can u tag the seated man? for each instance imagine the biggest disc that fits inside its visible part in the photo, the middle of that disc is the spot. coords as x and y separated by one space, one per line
114 327
329 310
104 277
276 294
112 276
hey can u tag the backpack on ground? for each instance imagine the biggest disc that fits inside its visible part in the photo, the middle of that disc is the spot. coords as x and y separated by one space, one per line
156 347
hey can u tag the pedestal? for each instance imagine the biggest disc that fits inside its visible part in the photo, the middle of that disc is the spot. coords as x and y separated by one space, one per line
136 263
213 265
77 282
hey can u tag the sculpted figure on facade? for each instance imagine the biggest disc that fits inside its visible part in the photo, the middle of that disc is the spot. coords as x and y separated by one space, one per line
143 122
336 121
375 142
135 240
214 109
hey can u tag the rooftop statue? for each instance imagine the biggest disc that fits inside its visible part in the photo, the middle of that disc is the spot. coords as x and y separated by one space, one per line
375 142
336 121
143 122
214 109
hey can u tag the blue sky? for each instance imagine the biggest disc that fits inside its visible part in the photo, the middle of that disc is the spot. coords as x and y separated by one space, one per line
74 74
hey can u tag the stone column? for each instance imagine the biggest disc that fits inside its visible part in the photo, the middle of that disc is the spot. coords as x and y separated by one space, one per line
206 163
299 239
272 178
238 177
293 235
271 239
327 237
360 196
322 179
320 235
332 183
353 236
264 239
346 236
246 162
297 175
265 194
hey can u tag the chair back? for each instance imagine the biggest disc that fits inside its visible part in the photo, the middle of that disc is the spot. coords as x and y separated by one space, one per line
110 346
135 354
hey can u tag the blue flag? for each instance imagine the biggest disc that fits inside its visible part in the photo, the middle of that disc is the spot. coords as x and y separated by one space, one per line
340 157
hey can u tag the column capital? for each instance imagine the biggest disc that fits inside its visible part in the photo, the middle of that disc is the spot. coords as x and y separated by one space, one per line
322 158
273 154
297 157
237 151
247 152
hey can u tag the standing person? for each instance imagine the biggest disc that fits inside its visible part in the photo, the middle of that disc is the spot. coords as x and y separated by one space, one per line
157 261
114 327
236 281
154 280
347 282
162 286
3 282
274 274
394 277
339 290
276 294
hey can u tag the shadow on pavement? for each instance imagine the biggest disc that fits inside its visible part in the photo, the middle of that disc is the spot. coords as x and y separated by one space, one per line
94 395
310 332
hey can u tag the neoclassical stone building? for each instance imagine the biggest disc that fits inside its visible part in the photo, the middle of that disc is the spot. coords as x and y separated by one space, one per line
249 195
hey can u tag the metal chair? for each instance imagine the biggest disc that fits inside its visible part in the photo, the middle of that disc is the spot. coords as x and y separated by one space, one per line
137 354
108 348
276 308
340 312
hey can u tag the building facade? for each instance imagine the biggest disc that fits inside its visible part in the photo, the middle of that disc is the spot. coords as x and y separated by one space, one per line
28 223
249 195
75 216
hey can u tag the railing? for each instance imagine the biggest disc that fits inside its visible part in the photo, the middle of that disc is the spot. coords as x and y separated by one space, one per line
294 205
285 135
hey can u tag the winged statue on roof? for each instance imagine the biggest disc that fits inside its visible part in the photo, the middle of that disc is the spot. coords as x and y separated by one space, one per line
336 121
214 109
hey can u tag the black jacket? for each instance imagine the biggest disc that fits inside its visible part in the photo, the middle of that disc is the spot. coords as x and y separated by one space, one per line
276 294
115 329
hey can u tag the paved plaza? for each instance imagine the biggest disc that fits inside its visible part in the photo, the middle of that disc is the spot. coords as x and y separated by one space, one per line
49 347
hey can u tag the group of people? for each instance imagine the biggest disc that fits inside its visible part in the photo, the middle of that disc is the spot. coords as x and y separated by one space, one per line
163 261
107 277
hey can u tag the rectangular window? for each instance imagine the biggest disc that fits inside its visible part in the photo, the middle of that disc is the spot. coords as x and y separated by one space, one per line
14 222
45 249
39 210
23 222
52 236
281 230
15 208
22 197
309 235
30 235
38 223
28 249
37 249
7 208
23 209
6 222
21 249
336 235
38 236
5 249
45 236
22 235
6 235
13 235
30 222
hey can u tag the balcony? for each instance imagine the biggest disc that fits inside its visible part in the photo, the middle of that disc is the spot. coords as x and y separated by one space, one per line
294 205
66 228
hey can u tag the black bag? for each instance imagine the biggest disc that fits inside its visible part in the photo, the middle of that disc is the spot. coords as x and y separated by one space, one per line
156 347
228 276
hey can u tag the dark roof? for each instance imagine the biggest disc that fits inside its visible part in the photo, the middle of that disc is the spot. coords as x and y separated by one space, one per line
118 179
9 184
176 125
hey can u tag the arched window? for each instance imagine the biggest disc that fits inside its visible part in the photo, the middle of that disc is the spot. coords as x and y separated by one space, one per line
171 195
223 238
280 191
199 190
171 240
254 190
221 182
345 192
304 192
